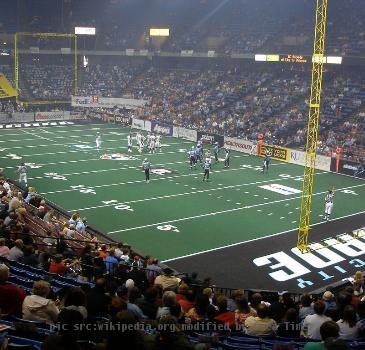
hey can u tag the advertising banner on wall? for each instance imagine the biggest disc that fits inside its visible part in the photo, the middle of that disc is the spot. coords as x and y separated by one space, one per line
210 138
18 117
137 123
275 152
184 133
161 128
238 145
349 167
106 102
119 119
47 116
298 157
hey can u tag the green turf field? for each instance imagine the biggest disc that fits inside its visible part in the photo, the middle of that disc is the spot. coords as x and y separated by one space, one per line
176 214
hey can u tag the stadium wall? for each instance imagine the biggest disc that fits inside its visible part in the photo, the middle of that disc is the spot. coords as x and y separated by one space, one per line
29 117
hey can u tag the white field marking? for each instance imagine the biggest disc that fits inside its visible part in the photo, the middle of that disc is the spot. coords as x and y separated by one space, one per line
106 170
223 211
83 142
93 149
39 136
70 129
254 239
165 178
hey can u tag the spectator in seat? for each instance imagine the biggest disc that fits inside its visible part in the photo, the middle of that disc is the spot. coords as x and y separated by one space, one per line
152 269
118 250
188 302
349 329
76 300
224 315
4 249
16 252
29 257
243 311
167 280
97 301
37 307
199 311
261 325
168 300
306 307
312 323
26 236
111 262
290 328
44 261
329 332
67 336
358 283
148 303
81 225
59 267
11 296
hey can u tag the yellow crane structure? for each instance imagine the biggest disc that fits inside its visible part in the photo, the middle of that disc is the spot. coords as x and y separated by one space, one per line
312 129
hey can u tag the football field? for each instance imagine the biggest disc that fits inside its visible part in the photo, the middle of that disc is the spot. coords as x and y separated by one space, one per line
176 214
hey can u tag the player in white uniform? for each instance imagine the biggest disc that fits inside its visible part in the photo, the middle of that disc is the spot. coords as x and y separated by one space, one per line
254 148
98 140
152 143
23 171
129 140
328 204
158 142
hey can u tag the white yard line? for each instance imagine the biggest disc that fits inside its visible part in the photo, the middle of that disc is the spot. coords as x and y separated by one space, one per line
189 193
224 211
252 240
156 179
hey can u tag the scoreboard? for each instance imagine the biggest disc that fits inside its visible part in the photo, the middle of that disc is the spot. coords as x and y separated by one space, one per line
295 59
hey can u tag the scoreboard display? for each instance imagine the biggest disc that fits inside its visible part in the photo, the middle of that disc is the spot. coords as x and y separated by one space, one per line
293 58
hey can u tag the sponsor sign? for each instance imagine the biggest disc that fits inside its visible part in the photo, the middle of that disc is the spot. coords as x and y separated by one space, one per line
147 125
330 260
184 133
123 120
82 146
46 116
210 138
275 152
22 117
285 190
137 123
161 171
117 156
349 167
77 116
298 157
238 144
161 128
106 102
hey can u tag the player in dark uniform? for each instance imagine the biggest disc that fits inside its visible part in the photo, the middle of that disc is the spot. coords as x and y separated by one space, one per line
227 158
192 158
146 166
266 163
216 151
207 168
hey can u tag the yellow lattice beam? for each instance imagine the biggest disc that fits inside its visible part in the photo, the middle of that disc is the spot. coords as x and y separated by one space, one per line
312 129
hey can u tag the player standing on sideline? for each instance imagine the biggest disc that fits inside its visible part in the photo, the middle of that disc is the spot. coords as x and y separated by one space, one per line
328 204
152 143
227 158
98 140
23 171
216 151
207 167
158 142
253 148
146 166
192 158
266 163
129 140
